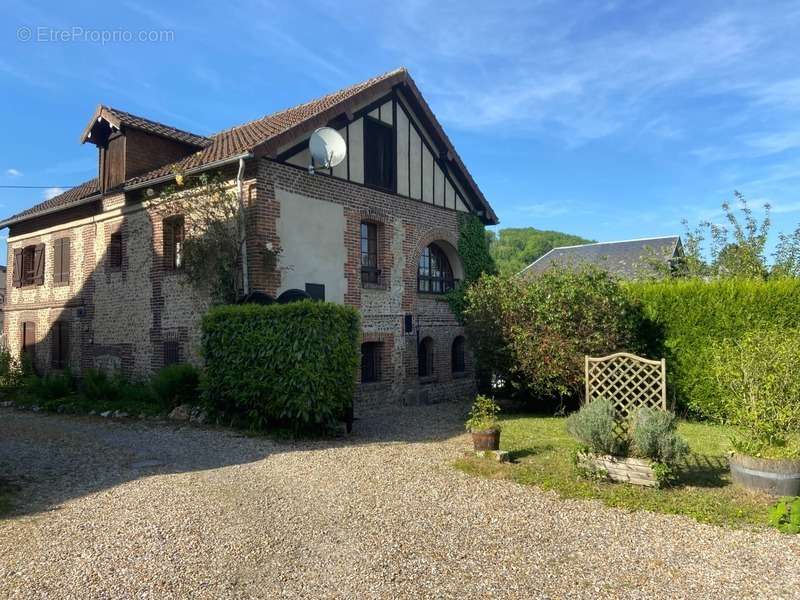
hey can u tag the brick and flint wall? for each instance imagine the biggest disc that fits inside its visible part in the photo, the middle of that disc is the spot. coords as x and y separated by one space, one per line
121 317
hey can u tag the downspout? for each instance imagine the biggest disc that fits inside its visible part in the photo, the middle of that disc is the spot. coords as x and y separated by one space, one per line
243 225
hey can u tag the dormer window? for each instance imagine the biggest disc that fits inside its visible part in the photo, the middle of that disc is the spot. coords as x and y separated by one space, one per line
378 155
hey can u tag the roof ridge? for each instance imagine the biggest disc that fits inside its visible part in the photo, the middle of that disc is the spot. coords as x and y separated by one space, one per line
159 123
642 239
312 101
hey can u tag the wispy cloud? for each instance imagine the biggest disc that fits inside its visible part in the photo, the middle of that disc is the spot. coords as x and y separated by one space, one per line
550 209
13 173
52 192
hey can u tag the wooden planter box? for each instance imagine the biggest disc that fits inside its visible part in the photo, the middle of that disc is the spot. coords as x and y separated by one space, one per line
637 471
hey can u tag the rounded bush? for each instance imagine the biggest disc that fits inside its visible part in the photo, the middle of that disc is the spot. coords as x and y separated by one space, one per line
594 426
653 435
176 384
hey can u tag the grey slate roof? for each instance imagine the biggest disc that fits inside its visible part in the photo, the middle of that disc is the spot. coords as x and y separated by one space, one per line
626 259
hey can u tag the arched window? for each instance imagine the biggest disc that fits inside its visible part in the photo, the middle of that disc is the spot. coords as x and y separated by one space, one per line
425 357
434 276
457 355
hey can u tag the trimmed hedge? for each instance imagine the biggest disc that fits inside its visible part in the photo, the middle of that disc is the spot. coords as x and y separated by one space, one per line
288 364
694 315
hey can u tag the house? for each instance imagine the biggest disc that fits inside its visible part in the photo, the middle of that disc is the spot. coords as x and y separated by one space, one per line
95 283
628 259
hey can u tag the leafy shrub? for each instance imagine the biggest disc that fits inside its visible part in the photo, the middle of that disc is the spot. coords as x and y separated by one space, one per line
291 364
594 426
51 386
536 330
695 315
758 382
483 415
101 389
11 371
653 435
99 386
785 515
176 384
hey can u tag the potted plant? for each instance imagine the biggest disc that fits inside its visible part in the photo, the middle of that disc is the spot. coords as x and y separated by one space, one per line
642 451
759 385
483 424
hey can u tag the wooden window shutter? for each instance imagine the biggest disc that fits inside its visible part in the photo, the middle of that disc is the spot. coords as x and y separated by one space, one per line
57 261
66 260
38 265
17 272
61 261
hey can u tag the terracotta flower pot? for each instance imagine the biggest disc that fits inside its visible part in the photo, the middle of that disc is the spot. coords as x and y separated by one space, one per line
778 477
488 440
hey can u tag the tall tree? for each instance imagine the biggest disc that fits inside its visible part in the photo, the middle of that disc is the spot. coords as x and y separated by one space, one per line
513 249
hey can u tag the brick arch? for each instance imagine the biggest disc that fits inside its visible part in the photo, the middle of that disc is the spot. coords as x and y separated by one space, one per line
439 234
374 216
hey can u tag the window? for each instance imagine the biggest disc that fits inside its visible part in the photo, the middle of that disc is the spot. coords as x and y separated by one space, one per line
59 345
115 250
425 357
370 361
28 262
61 261
370 274
378 155
316 291
172 352
173 242
29 265
28 335
457 355
434 275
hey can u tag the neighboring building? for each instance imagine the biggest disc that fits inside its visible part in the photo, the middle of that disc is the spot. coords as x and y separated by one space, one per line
94 280
628 259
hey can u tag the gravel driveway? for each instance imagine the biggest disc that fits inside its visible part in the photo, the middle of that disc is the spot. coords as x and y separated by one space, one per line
115 510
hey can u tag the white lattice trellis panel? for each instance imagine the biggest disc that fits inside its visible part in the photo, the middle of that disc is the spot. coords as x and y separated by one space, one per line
628 381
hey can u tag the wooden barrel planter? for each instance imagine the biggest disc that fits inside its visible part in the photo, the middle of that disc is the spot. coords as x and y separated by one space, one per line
621 469
777 477
488 440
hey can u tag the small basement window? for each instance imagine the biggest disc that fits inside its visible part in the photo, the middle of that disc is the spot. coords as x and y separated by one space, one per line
457 355
370 361
172 352
115 250
425 357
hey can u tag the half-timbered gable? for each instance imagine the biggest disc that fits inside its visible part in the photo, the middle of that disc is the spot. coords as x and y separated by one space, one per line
391 149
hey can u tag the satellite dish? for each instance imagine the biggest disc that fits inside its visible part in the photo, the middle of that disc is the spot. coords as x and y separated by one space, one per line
327 148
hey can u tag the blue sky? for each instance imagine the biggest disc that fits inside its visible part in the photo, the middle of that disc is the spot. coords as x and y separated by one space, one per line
604 119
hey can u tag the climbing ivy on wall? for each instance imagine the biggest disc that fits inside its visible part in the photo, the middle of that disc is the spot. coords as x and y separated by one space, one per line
473 248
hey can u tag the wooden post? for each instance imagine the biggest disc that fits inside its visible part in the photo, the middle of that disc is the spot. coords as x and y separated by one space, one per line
586 373
663 384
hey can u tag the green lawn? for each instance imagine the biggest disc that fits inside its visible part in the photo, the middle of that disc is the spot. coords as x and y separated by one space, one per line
541 454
